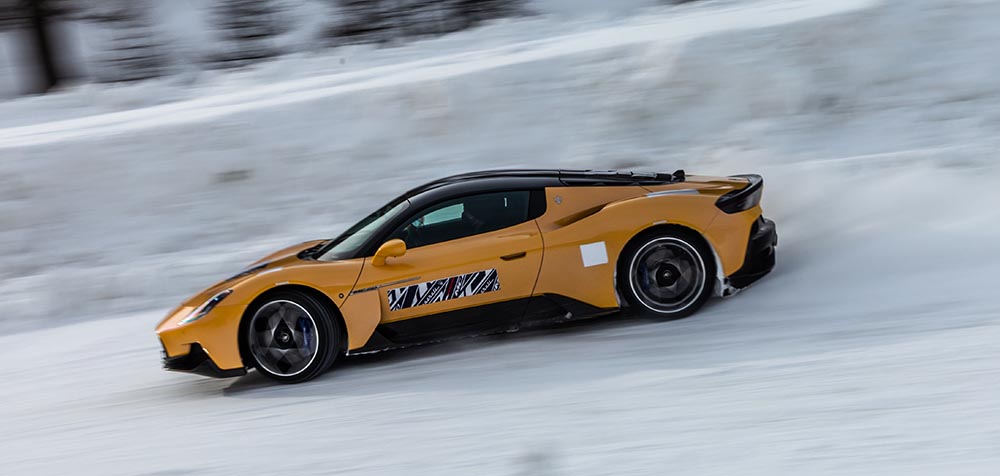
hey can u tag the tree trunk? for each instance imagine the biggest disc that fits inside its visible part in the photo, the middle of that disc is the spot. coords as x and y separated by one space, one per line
41 45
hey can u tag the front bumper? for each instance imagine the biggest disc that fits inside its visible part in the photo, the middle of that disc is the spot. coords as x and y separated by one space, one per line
216 335
760 254
197 361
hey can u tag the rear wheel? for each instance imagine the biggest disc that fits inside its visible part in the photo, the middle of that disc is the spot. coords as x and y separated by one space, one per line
666 273
292 337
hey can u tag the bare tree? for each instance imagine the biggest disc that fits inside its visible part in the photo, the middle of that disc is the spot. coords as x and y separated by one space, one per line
33 19
12 14
363 21
247 30
134 50
381 21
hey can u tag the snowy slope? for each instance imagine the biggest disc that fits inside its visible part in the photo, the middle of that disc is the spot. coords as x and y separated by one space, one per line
904 383
860 354
871 349
143 218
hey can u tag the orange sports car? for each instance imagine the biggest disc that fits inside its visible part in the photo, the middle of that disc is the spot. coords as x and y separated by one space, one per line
476 254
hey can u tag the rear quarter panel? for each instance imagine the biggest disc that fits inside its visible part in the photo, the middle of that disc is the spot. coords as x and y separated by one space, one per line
627 212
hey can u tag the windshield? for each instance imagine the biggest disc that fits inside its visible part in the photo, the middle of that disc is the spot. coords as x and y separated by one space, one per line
347 245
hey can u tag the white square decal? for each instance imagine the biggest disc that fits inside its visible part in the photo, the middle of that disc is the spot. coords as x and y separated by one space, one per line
594 254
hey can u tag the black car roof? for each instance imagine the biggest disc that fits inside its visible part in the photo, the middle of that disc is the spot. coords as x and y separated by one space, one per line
488 180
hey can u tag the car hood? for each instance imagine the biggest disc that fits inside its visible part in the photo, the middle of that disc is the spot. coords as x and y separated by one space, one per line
278 259
278 262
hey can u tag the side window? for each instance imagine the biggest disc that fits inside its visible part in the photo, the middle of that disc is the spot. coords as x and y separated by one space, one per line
466 216
450 213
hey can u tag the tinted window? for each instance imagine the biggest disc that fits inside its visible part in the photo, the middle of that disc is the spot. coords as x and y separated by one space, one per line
466 216
441 215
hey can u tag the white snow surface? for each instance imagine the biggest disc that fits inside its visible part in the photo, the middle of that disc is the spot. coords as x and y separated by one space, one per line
871 349
153 202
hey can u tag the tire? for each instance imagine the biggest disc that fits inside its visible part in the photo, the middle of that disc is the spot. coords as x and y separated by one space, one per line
668 273
291 337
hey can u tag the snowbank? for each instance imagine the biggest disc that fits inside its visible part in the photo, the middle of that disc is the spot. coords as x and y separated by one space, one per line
116 221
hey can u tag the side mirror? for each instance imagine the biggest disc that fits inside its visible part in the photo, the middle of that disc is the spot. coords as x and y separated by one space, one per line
389 249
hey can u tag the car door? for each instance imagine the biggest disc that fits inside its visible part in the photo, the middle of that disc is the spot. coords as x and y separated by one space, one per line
470 266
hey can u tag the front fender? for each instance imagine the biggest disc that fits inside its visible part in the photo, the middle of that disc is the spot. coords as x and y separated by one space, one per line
218 331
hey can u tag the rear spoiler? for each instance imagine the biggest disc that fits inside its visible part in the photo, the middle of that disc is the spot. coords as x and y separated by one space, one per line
744 198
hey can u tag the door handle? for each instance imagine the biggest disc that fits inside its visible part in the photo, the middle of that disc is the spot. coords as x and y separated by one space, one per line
514 256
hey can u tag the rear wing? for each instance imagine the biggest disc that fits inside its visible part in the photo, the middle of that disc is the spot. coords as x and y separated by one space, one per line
745 198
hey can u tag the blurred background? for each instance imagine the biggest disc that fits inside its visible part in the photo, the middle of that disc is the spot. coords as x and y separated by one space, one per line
150 148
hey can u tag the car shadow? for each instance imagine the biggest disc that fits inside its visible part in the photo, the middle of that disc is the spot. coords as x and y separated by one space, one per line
354 369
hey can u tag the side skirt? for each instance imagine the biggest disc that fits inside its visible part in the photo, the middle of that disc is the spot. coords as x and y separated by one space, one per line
497 318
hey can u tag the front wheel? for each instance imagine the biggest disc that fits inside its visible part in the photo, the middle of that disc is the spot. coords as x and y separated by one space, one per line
667 273
292 337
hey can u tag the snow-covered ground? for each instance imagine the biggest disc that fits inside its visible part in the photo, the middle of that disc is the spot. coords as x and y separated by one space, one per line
152 202
871 349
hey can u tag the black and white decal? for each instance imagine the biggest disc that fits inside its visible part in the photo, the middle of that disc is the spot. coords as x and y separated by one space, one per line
445 289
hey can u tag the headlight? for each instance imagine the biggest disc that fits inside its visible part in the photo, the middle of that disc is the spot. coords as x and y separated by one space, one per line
202 310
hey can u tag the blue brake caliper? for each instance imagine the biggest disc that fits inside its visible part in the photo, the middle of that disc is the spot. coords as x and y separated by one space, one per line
303 328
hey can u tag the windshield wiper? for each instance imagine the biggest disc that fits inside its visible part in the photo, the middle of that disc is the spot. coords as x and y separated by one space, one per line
312 252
